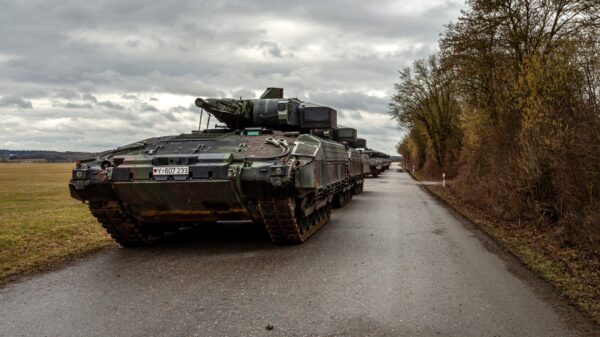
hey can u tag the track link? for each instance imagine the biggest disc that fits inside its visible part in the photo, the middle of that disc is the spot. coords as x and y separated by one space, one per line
124 229
284 226
358 188
342 198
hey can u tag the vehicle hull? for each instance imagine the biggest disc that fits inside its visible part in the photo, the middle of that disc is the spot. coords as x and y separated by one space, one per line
183 201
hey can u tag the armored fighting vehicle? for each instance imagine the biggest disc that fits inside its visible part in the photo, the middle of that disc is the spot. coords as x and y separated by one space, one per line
266 164
378 162
354 166
386 161
360 145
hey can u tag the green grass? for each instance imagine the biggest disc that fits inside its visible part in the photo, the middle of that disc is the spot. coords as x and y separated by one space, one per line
40 224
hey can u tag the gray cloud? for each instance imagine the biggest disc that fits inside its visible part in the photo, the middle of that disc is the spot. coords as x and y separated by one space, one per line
149 107
350 100
109 72
89 97
15 101
75 105
244 93
110 105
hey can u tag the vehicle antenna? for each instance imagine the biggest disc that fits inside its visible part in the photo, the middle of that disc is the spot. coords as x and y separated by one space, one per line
200 122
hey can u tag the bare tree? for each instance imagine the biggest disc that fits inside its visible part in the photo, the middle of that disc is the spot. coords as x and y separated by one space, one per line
425 96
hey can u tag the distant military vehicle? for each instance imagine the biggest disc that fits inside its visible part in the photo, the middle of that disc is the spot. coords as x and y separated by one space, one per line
360 145
354 169
386 161
267 164
374 163
378 162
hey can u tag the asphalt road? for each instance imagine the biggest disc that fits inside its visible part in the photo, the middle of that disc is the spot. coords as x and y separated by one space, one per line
393 262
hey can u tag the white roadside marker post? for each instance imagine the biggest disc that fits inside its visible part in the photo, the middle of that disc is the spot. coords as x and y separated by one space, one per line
443 179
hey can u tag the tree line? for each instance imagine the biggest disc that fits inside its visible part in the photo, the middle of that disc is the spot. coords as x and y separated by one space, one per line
509 107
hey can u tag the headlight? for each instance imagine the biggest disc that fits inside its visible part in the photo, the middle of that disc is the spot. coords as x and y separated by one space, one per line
79 174
278 171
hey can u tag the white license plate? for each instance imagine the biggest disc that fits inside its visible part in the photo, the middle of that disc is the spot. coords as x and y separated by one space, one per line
170 170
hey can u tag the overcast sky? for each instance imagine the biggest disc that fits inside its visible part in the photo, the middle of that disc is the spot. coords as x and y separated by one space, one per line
93 75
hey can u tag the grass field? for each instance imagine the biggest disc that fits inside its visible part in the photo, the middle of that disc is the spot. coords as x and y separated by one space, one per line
40 224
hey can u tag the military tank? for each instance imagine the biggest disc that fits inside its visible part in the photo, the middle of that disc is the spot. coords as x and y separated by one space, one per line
385 161
274 162
354 172
358 162
378 162
360 145
374 167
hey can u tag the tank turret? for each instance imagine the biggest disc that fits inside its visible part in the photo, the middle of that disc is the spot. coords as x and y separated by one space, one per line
359 143
272 110
345 134
349 135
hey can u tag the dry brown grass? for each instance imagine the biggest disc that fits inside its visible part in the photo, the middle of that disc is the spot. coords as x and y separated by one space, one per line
40 224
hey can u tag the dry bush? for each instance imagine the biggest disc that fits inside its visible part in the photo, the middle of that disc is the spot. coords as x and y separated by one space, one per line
525 137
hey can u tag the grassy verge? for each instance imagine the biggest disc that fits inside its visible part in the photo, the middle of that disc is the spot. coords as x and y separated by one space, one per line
574 271
40 224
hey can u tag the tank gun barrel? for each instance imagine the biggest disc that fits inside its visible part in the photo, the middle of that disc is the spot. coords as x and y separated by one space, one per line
235 113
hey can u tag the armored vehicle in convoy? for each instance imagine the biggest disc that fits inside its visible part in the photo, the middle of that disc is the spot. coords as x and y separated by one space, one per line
378 162
275 161
360 145
386 161
354 166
